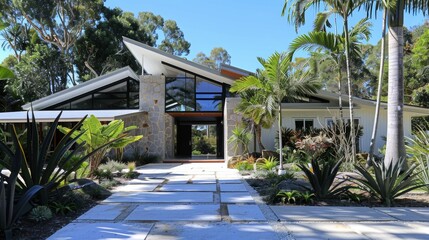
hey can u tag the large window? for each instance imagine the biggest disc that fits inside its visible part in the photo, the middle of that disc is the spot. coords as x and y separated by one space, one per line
120 95
187 92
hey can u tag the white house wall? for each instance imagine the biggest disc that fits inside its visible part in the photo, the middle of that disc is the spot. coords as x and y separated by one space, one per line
320 117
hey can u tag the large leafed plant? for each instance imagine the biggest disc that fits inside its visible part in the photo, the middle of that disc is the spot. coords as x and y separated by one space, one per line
95 135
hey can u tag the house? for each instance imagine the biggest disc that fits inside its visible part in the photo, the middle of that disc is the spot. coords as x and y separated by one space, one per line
175 95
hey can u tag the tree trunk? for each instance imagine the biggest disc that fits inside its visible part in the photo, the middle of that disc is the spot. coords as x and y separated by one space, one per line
340 98
380 81
349 86
395 146
259 137
280 136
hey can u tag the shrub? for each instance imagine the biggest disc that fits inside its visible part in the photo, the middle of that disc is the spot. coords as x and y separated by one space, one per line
113 166
267 164
419 151
196 152
41 213
93 135
288 196
388 182
103 174
321 176
109 184
244 166
240 138
63 207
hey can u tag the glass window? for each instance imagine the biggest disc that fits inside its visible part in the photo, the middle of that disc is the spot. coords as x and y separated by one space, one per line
207 86
302 124
209 105
82 103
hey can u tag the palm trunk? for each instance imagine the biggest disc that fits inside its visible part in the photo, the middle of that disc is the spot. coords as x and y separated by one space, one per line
349 85
280 137
259 137
395 147
340 98
380 81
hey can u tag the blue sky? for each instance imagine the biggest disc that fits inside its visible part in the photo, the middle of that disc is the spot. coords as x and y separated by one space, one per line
247 29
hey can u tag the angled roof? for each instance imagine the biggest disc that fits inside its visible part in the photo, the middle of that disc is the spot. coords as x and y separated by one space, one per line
66 116
82 88
366 102
153 62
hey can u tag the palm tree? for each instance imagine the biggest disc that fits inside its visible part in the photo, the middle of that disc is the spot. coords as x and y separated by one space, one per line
279 82
254 105
343 8
395 147
332 45
380 83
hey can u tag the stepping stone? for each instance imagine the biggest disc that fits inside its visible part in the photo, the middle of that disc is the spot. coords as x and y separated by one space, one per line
145 180
236 197
179 179
204 179
162 212
212 231
331 214
104 212
230 181
326 231
188 188
164 197
233 187
245 213
104 230
407 214
391 230
135 188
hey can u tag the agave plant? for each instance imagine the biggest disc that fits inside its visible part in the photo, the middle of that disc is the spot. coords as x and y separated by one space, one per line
388 182
321 176
13 206
419 150
267 164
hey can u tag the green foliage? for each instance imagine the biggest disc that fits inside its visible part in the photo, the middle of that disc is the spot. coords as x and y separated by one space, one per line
5 73
93 135
388 182
196 152
321 176
103 174
288 196
13 206
267 164
419 151
240 138
63 207
217 57
113 166
244 166
41 213
101 46
109 184
204 147
307 197
41 165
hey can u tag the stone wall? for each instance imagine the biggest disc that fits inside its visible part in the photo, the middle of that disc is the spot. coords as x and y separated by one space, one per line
230 121
169 136
140 120
152 101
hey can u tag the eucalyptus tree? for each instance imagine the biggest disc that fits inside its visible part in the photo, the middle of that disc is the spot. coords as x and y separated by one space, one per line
395 146
280 82
343 8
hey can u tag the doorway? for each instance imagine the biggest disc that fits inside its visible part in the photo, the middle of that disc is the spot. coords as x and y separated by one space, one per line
199 139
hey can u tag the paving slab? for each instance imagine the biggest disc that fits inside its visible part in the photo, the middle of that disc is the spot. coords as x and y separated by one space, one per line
104 212
135 188
236 197
316 213
245 213
203 179
164 197
407 214
331 231
176 212
212 231
229 181
188 188
390 230
145 180
100 230
183 179
233 187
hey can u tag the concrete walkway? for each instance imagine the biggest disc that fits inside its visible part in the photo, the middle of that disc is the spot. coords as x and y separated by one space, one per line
208 201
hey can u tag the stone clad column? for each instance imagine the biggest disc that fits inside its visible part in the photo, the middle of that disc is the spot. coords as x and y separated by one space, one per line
152 101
